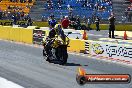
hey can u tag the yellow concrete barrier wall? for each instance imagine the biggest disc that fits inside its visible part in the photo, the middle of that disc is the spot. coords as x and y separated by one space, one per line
27 36
76 45
17 34
4 32
11 35
0 31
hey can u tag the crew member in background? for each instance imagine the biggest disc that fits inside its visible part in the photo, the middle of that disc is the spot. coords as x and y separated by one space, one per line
52 22
65 22
78 23
72 21
89 23
97 20
111 26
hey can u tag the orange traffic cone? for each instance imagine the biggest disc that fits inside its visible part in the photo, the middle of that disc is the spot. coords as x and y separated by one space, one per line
85 37
125 36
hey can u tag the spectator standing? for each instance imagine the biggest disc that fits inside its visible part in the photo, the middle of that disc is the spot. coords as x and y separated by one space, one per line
124 19
14 18
0 13
78 23
129 16
93 18
97 20
72 21
126 12
111 26
18 15
22 15
96 6
26 17
29 21
9 15
43 18
61 18
85 20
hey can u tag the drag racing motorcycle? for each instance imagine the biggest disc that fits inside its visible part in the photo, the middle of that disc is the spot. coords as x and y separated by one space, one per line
58 49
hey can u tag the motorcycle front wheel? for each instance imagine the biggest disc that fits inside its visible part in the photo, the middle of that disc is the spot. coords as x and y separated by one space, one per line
63 55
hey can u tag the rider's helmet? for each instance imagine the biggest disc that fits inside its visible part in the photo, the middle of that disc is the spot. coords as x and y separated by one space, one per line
58 28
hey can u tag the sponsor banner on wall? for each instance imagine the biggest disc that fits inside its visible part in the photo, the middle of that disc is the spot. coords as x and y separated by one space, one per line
38 36
118 51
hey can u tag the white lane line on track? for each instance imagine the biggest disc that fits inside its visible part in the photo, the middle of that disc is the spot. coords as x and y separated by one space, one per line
4 83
